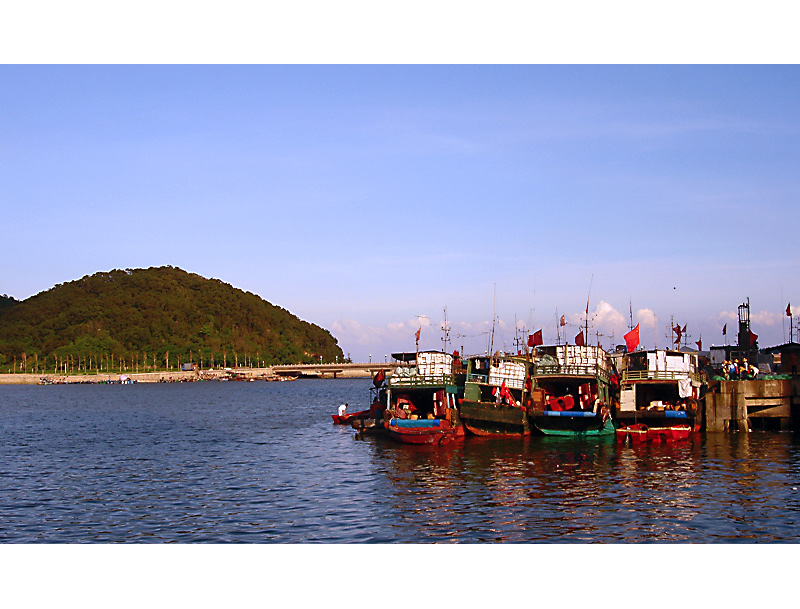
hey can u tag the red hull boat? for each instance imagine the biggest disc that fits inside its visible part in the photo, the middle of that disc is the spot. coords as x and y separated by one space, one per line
347 419
423 431
668 434
640 433
635 434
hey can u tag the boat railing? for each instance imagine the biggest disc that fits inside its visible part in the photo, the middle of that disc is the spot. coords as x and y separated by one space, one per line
658 375
478 378
573 370
419 380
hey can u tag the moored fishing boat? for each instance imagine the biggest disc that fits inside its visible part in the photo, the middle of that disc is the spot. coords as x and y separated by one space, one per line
422 399
639 433
634 434
497 396
661 388
668 434
575 398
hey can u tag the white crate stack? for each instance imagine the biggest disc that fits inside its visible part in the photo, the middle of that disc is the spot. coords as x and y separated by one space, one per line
513 373
586 358
434 364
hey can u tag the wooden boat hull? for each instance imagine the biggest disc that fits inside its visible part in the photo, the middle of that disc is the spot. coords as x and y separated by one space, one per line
635 434
347 419
668 434
423 431
660 418
573 424
495 421
640 433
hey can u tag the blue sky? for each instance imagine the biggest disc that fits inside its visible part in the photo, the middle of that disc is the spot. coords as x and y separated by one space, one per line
368 198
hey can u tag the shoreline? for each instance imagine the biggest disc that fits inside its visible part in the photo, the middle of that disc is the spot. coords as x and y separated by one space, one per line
257 374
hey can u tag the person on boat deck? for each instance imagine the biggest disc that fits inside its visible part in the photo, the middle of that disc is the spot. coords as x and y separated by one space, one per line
748 370
734 370
342 410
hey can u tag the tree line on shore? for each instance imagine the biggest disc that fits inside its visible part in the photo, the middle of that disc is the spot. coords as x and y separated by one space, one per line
152 319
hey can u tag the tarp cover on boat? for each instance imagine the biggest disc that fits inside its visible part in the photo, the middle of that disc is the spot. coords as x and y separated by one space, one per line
415 422
685 387
568 413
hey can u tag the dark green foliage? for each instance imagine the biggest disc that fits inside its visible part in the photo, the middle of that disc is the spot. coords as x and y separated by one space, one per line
6 302
132 315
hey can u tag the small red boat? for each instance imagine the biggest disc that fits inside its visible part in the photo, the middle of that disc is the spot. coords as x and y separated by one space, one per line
423 431
668 434
347 419
635 434
640 433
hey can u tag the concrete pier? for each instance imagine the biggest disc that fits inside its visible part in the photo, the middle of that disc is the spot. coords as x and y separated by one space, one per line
748 405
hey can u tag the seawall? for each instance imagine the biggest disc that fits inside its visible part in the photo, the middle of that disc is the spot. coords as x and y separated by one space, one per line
263 374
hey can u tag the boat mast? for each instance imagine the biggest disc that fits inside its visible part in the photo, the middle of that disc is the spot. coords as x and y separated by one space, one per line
445 331
630 310
586 333
494 315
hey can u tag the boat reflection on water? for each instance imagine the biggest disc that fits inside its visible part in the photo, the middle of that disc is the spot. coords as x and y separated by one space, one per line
550 489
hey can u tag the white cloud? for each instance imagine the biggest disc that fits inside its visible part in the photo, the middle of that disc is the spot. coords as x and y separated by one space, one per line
607 317
765 318
646 317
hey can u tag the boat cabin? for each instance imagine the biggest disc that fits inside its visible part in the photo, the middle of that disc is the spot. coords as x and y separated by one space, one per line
659 379
571 378
486 377
424 390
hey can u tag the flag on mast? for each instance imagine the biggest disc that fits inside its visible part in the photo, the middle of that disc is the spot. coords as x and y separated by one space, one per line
579 339
789 310
632 339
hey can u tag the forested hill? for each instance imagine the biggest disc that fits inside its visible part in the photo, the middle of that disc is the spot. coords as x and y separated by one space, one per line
145 313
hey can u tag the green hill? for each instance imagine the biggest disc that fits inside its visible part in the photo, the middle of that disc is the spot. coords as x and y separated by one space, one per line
143 317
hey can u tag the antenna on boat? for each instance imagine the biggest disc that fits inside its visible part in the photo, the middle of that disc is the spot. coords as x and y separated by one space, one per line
586 332
445 330
494 316
558 328
630 308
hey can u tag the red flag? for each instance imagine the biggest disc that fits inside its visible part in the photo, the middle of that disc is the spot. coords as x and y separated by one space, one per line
753 339
789 310
679 332
506 393
379 378
563 321
724 329
579 339
699 344
684 329
535 339
632 339
416 334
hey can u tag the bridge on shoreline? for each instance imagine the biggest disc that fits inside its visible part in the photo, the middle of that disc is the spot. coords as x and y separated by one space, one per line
365 370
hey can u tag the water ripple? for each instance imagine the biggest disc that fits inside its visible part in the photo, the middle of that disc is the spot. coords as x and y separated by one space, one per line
261 463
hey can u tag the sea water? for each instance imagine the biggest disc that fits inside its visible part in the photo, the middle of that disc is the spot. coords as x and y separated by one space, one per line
260 462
